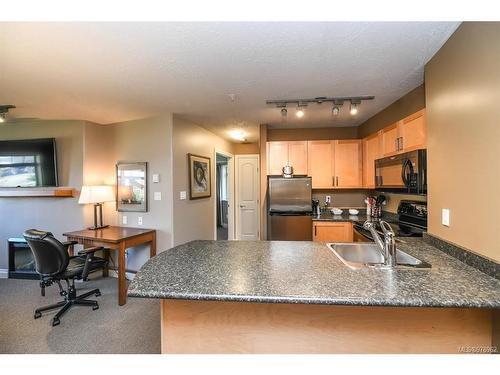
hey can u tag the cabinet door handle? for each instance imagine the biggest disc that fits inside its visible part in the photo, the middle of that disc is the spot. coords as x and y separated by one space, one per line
333 180
401 143
396 142
337 180
315 231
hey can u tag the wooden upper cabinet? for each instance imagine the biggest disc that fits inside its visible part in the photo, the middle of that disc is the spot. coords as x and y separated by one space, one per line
277 157
413 132
390 139
297 156
328 231
320 163
348 164
405 135
372 150
281 153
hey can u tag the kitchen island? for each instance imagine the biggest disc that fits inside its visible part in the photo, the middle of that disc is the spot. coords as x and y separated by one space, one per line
297 297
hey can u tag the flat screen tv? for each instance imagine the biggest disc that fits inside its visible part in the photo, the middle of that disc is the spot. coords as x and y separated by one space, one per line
28 163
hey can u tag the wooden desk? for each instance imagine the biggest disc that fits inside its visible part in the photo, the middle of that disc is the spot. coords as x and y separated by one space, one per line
120 239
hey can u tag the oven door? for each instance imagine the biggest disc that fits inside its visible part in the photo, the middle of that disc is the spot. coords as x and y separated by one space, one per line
404 173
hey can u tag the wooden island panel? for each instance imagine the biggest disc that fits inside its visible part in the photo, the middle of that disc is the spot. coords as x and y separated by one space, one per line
242 327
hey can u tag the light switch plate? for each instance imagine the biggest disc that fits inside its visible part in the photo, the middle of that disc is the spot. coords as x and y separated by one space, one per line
182 195
139 220
445 217
156 178
157 196
328 199
124 219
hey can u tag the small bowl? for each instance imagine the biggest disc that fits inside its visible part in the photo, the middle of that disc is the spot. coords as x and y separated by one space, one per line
336 211
353 211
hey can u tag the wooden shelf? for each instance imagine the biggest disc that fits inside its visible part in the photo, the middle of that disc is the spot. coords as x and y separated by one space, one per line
63 192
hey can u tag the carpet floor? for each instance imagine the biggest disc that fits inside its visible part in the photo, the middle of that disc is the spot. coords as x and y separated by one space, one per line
132 328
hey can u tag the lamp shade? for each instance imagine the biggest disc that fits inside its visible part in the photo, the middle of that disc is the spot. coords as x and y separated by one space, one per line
96 194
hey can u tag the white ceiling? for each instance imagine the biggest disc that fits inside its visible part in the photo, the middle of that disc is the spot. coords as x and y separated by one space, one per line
113 72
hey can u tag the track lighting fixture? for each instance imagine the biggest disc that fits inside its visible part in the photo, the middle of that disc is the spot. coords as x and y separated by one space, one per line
3 111
337 104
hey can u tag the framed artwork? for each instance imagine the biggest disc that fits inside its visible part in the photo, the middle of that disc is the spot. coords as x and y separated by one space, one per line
131 187
200 178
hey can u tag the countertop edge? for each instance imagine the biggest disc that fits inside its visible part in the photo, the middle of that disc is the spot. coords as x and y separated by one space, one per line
308 301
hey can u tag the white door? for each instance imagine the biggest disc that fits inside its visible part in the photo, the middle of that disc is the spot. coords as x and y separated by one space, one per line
247 197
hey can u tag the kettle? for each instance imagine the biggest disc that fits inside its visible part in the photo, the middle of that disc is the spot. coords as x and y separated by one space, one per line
287 171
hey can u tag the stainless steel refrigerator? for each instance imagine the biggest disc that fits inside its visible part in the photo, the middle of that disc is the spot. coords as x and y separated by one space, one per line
289 209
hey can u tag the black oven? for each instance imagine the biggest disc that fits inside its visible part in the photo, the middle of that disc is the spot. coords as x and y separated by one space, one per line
404 173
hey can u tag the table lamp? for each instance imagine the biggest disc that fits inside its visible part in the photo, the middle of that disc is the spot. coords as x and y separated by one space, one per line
97 195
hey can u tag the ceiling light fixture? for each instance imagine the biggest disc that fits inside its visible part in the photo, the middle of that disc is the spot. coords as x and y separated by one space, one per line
3 111
337 103
354 107
238 135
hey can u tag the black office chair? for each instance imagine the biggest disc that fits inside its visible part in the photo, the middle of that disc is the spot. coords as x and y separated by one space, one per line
54 264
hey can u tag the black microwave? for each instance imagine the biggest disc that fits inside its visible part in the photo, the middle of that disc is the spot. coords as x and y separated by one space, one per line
404 173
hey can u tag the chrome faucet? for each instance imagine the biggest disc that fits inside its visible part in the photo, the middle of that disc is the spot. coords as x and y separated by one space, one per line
388 246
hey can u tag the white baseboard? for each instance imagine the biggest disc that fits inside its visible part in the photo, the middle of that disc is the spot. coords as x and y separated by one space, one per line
4 273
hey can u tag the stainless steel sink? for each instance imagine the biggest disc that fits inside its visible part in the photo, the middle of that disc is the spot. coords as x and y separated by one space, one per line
361 255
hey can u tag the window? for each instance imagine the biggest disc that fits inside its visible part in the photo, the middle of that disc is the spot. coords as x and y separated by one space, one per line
19 170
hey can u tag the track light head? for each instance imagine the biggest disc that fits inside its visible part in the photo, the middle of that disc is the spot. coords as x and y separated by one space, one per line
300 112
335 110
284 112
354 107
4 108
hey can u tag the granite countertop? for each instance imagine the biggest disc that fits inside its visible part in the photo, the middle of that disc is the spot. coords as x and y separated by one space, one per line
309 273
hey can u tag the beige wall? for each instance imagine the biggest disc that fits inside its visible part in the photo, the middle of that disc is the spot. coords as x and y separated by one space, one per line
410 103
148 140
193 219
463 116
99 167
53 214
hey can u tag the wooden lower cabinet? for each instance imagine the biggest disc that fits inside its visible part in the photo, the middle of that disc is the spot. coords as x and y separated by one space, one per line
332 231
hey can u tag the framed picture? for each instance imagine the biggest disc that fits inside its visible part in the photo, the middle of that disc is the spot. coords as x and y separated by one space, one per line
131 187
200 178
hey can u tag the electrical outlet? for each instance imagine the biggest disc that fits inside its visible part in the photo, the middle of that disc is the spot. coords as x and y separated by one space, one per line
139 220
156 178
445 217
182 195
328 199
124 219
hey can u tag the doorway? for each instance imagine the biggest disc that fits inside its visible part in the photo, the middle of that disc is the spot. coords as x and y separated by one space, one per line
224 186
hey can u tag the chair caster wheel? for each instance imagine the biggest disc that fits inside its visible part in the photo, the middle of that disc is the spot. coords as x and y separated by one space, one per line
98 294
38 314
95 307
55 322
